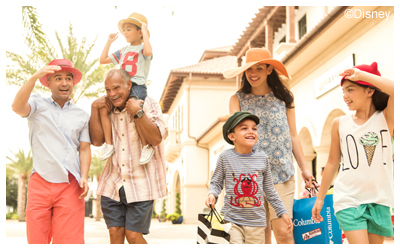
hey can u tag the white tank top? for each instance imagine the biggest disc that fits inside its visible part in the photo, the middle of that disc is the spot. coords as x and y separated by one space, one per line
366 171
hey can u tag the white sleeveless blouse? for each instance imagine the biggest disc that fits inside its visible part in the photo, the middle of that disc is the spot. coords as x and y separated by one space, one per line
366 169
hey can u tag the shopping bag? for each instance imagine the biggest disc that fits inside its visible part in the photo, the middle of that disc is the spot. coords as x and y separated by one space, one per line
208 232
308 231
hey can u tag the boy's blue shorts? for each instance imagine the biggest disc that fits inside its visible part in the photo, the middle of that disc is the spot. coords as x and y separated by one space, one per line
373 217
138 91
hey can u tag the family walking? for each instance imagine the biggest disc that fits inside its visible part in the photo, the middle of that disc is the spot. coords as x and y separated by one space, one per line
261 129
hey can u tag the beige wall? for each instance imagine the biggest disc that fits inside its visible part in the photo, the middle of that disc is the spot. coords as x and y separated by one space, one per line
207 99
316 115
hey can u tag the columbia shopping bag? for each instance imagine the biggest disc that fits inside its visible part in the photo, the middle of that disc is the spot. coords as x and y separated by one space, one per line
308 231
210 231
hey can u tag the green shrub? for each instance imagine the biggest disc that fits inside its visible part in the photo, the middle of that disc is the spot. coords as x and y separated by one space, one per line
163 210
178 203
12 216
173 216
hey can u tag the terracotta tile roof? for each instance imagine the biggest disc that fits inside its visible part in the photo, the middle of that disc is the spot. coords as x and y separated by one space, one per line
256 21
212 66
220 49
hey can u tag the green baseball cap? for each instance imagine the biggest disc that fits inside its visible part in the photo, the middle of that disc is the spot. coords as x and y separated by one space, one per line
234 120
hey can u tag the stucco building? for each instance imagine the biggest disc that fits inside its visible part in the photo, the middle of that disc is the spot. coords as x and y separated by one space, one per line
315 43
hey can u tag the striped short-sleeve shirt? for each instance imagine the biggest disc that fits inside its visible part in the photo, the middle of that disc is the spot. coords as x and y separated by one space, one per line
141 182
133 61
247 178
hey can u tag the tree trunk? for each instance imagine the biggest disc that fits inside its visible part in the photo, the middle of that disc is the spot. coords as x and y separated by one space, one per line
22 178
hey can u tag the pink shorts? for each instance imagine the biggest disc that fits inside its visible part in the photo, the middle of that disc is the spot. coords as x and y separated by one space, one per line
54 212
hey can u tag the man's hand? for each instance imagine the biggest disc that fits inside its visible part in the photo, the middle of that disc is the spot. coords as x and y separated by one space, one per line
210 201
48 69
133 106
85 186
103 102
288 222
112 37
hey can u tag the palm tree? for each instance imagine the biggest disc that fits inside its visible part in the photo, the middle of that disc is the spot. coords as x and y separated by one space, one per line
21 166
42 52
96 168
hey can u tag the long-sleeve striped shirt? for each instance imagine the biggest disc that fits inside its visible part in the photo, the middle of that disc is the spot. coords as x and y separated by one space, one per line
247 178
141 182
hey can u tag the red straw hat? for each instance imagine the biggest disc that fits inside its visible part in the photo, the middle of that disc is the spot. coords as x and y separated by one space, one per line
66 65
254 56
373 69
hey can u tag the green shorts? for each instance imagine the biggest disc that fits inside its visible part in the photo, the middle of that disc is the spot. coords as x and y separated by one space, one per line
373 217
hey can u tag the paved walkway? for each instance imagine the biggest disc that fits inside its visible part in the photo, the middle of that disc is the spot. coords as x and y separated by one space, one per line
96 233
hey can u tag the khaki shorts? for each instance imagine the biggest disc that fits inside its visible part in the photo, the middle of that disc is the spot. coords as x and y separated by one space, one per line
246 235
286 193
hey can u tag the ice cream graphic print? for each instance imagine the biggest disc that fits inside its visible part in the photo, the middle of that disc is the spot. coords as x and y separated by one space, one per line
369 142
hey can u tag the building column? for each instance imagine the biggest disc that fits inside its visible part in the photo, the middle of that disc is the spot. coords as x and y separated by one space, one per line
322 159
290 24
269 36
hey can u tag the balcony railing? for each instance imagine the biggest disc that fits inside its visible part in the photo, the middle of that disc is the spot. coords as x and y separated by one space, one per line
172 145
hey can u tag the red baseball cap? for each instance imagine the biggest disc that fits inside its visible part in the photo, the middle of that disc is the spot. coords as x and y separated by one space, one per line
373 69
66 65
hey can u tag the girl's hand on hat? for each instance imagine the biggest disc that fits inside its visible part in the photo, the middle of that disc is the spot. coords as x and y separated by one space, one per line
352 74
48 69
112 37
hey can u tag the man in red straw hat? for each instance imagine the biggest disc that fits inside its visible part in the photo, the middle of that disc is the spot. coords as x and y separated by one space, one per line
58 131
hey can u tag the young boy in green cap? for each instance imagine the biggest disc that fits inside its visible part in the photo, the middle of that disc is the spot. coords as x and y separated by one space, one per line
247 178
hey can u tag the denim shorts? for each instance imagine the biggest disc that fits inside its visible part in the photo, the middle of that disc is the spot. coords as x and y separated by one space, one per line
134 216
373 217
138 91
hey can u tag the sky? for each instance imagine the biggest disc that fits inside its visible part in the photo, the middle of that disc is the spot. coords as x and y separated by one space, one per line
177 39
180 31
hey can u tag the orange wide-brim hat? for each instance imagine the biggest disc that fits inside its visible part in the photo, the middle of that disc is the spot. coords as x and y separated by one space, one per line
66 65
256 56
134 18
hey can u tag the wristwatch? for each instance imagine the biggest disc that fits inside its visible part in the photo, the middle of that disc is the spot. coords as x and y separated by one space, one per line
139 113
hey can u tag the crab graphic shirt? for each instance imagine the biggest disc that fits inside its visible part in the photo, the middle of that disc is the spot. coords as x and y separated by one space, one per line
245 178
366 169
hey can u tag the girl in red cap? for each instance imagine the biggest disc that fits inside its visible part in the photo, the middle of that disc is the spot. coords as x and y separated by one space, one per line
361 144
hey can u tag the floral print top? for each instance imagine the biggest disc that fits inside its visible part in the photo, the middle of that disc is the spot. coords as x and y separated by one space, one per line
273 132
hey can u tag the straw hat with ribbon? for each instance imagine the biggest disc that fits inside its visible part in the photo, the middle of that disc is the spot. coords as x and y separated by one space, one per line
66 65
134 18
255 56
